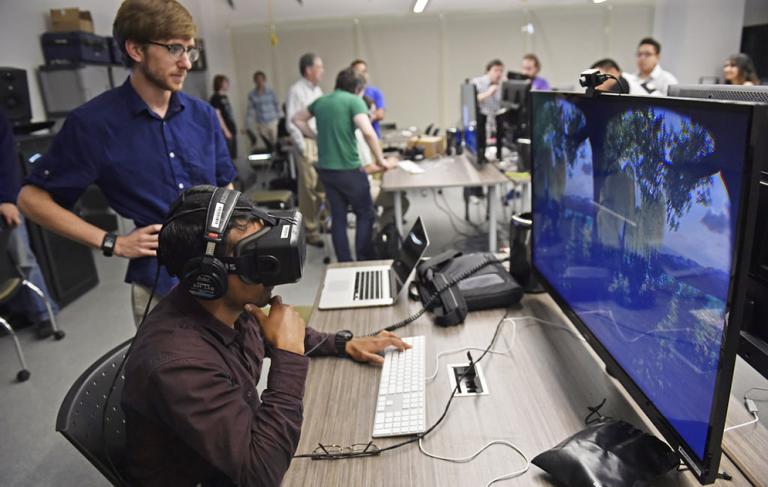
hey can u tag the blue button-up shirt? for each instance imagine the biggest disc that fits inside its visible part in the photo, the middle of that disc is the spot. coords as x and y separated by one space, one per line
139 160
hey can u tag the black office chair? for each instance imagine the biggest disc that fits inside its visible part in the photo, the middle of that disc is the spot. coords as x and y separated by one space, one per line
12 279
81 413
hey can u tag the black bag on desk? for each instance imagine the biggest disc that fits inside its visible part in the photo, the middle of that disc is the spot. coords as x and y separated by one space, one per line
64 48
609 453
489 287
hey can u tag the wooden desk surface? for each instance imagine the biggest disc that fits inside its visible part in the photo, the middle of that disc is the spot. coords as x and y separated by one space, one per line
538 396
442 173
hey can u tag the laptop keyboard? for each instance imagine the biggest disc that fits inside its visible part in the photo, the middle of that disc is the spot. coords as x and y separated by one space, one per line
369 285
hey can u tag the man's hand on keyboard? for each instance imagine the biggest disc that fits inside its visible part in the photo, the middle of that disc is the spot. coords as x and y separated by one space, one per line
366 349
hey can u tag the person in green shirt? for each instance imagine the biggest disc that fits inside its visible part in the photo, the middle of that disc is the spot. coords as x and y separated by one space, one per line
337 115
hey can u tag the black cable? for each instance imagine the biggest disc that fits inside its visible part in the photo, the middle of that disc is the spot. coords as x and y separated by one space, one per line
436 295
350 455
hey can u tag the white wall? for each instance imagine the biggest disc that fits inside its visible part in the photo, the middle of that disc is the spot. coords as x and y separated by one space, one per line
698 35
419 61
23 21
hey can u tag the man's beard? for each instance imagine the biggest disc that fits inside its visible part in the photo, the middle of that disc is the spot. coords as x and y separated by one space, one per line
158 80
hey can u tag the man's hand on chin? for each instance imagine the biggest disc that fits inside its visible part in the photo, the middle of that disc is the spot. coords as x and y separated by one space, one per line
366 349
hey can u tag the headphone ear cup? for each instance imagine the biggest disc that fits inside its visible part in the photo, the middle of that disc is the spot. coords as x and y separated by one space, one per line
205 277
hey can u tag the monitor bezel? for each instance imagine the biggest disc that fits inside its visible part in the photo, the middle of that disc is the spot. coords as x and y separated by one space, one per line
477 159
706 469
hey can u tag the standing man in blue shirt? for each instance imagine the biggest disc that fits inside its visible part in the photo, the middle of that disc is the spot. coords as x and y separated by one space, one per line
142 143
25 302
263 111
377 111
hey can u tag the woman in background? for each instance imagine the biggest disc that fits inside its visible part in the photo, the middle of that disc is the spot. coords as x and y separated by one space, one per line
740 70
220 102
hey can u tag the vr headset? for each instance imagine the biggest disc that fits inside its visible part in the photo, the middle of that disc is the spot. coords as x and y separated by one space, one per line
273 255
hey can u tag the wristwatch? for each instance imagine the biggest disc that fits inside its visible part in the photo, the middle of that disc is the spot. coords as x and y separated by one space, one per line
108 244
342 337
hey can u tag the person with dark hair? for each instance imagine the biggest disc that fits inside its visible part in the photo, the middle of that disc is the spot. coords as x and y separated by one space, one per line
193 414
220 102
531 67
650 79
263 112
489 92
377 110
609 66
25 303
300 96
142 143
338 114
740 70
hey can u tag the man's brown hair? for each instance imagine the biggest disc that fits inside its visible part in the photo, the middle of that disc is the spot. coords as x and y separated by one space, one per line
534 58
143 21
219 80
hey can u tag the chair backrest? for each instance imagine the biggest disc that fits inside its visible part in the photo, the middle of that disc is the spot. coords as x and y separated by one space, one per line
81 412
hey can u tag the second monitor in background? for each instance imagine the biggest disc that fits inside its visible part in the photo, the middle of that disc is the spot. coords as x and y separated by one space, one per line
512 120
473 124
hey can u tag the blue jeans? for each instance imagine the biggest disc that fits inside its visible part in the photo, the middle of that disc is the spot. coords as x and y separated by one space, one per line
344 189
26 302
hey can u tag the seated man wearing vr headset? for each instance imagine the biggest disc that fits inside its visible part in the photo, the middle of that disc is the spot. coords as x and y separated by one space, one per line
193 414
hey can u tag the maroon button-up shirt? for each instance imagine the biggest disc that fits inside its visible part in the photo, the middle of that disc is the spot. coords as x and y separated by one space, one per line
192 410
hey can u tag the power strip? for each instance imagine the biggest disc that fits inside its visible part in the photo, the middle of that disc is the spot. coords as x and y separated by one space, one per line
480 386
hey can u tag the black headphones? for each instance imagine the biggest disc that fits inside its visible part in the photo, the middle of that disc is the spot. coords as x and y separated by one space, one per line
205 277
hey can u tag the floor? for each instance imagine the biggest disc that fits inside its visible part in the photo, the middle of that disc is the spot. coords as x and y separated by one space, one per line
33 454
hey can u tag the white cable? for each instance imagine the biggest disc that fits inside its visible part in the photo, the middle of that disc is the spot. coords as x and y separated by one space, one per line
508 351
469 458
513 320
432 377
731 428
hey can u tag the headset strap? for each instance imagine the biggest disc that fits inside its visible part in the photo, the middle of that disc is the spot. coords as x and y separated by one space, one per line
220 210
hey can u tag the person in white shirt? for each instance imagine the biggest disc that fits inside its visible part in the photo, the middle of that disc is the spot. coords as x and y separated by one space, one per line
489 93
300 96
650 79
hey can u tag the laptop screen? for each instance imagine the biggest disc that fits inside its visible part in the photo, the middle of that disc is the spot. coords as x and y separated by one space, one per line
414 245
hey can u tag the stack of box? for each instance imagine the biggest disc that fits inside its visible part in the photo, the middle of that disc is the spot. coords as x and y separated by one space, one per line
77 61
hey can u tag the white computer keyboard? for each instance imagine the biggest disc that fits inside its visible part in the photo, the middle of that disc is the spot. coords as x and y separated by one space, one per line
400 408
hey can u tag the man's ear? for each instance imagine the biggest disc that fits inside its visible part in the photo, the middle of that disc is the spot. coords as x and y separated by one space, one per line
135 51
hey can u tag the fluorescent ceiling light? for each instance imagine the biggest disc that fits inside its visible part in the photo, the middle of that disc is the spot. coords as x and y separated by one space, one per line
259 157
420 6
598 1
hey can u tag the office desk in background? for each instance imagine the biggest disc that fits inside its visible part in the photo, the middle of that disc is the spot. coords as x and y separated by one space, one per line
538 396
445 172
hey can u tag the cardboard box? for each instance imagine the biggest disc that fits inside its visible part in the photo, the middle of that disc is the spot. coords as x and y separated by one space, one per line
71 20
433 146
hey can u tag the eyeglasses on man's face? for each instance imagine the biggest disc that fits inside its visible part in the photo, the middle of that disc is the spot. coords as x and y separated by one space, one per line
645 53
177 51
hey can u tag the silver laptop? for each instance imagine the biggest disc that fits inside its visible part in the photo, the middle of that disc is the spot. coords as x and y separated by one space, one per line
374 285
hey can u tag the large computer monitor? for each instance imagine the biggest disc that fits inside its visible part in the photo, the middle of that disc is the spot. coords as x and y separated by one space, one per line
473 124
642 229
753 346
